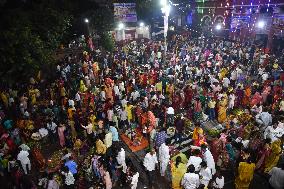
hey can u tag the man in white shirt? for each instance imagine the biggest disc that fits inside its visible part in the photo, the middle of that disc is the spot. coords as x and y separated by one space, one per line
121 86
208 158
23 157
123 102
190 180
116 90
78 99
164 158
194 160
150 161
277 177
219 181
121 159
226 82
71 103
206 174
232 98
69 178
264 76
170 111
134 180
233 75
135 95
264 119
110 114
273 132
51 127
123 117
103 95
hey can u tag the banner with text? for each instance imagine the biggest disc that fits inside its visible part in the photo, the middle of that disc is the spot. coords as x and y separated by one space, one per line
239 22
125 12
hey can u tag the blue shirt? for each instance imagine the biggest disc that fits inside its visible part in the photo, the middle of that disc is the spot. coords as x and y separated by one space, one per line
72 166
8 124
114 133
161 138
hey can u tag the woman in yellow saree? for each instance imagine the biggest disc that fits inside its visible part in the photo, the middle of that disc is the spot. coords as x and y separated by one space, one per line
4 99
273 158
178 169
245 174
222 110
197 132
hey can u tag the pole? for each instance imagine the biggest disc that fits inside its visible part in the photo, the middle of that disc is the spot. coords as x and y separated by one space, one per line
88 28
166 11
166 25
165 38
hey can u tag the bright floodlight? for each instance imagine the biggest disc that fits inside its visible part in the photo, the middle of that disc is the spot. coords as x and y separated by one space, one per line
218 27
168 9
86 20
120 26
142 24
261 24
164 2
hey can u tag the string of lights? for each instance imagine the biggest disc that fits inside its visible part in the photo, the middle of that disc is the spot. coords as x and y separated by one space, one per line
246 14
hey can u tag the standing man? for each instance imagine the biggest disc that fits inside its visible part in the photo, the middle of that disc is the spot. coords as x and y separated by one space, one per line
121 159
149 163
160 137
276 180
23 157
190 179
208 158
72 166
164 158
51 127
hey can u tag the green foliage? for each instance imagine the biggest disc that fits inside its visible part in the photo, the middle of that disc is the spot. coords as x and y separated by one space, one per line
28 38
22 53
101 20
108 41
51 25
146 9
213 132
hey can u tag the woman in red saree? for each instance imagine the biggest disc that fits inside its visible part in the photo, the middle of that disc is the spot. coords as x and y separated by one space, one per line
256 99
144 80
39 159
176 102
263 155
188 93
216 147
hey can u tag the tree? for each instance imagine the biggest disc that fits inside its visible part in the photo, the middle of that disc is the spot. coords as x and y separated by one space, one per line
101 19
28 37
22 54
107 41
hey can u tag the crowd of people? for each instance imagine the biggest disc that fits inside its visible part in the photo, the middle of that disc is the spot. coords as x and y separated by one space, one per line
142 92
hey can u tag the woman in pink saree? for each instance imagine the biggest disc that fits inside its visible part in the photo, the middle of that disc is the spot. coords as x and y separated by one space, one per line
61 136
265 93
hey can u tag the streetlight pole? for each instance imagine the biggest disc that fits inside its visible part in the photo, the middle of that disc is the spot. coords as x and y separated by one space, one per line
166 11
86 20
